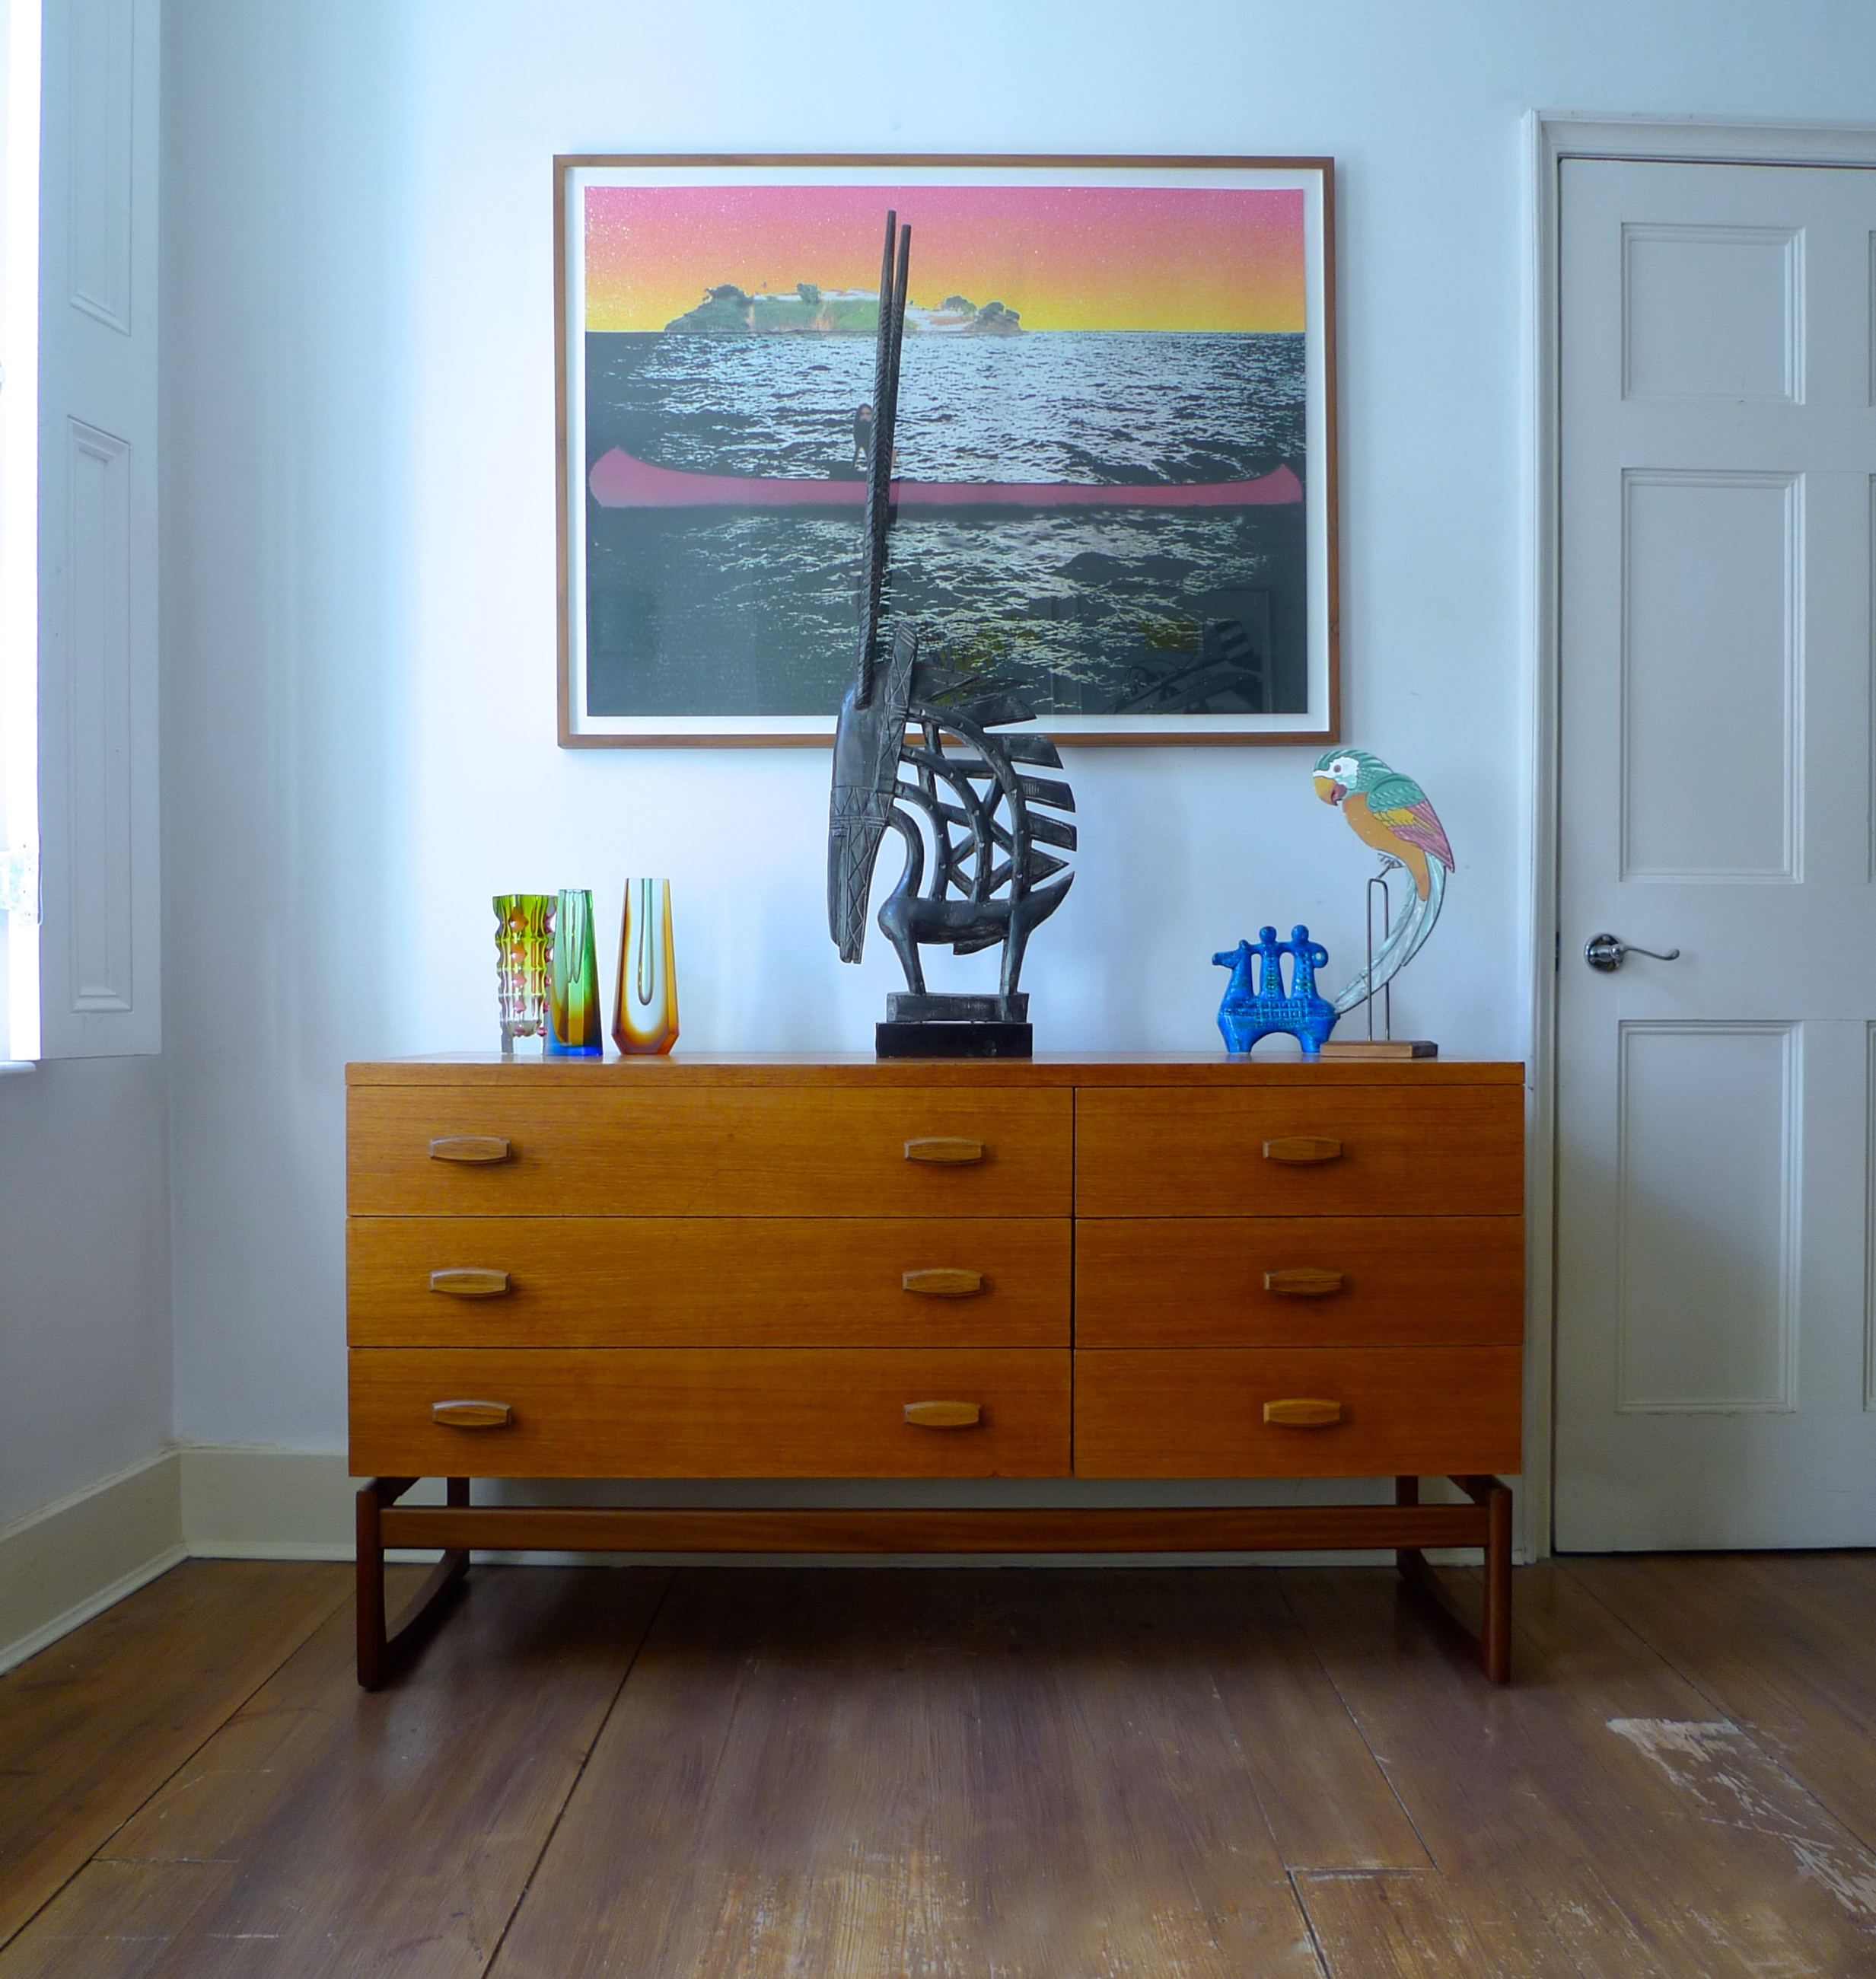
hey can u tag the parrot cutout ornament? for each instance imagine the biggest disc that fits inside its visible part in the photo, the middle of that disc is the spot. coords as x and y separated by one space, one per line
1391 812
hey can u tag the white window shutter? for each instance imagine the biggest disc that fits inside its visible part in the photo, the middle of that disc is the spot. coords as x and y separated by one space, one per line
98 961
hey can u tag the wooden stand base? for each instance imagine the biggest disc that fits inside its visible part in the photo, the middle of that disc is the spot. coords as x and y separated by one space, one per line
1406 1525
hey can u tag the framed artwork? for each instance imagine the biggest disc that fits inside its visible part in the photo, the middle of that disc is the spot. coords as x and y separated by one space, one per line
1114 469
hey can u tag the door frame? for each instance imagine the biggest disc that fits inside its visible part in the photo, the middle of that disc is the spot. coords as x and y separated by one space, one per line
1549 140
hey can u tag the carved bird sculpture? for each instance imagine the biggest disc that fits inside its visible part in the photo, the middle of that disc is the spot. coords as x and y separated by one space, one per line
914 745
1393 813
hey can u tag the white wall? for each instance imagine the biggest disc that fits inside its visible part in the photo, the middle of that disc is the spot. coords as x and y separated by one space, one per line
85 1364
84 1309
359 560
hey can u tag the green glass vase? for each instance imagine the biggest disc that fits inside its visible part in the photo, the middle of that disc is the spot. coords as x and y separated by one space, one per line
523 934
574 1028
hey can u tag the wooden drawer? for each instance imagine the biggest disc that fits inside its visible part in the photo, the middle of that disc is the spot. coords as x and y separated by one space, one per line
1450 1150
709 1152
693 1412
1298 1280
707 1281
1198 1412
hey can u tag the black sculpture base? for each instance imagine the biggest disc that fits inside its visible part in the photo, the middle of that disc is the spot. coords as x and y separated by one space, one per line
902 1039
908 1006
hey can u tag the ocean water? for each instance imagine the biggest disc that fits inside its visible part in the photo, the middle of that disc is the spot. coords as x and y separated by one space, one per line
756 612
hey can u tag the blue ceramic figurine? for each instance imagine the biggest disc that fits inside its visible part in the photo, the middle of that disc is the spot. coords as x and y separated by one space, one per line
1248 1014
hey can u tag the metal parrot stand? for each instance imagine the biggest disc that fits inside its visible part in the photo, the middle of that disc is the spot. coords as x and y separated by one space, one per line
1367 988
913 750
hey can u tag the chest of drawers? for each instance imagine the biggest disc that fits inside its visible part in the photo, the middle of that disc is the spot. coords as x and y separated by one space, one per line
696 1267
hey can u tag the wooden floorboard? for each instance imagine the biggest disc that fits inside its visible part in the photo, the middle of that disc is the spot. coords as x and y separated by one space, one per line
870 1773
1589 1799
1783 1644
324 1830
1406 1927
91 1727
864 1774
1327 1803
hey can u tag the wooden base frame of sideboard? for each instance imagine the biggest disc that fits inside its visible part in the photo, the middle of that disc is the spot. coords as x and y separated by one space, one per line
1406 1525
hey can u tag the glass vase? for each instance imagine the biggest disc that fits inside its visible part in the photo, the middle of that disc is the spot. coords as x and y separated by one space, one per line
646 1007
574 1023
523 929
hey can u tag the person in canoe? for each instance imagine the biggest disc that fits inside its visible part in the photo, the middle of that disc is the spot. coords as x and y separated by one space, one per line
862 436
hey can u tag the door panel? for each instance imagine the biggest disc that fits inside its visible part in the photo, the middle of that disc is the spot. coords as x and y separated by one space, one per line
1711 312
1707 1208
1739 639
1718 447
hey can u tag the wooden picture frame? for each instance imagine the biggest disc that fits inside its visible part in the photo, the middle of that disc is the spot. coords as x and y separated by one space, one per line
1116 468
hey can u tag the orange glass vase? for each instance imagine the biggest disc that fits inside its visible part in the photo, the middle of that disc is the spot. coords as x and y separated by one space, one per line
645 1010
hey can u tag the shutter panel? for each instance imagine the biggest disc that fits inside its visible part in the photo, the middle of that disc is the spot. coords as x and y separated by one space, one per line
96 952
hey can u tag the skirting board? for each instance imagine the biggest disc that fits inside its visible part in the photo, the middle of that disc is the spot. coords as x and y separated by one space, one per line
241 1502
71 1560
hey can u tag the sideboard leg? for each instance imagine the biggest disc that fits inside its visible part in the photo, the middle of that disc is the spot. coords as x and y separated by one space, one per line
1495 1626
456 1492
454 1563
370 1553
1406 1559
380 1651
1494 1634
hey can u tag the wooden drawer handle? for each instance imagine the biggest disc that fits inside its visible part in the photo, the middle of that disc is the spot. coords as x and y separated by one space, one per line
944 1281
943 1415
946 1150
1303 1282
1303 1148
470 1281
470 1148
1302 1412
471 1415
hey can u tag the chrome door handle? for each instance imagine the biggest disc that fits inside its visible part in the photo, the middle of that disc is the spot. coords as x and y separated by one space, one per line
1605 952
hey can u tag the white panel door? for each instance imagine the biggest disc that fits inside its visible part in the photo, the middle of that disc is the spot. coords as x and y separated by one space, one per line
1717 447
86 980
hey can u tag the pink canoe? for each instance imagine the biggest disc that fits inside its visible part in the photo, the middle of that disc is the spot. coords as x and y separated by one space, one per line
620 482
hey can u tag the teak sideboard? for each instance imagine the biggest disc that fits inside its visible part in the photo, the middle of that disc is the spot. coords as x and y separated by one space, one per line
1186 1267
